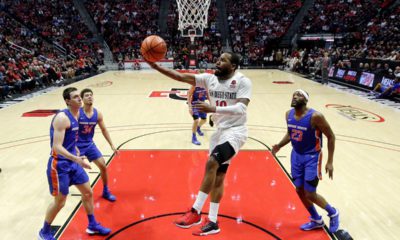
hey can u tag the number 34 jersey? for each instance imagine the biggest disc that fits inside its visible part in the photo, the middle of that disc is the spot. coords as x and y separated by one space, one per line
86 127
224 93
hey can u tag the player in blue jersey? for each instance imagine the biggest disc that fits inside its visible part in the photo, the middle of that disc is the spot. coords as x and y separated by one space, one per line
195 96
388 91
89 117
305 129
65 166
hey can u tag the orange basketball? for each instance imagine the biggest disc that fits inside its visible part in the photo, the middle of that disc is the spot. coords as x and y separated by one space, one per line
153 48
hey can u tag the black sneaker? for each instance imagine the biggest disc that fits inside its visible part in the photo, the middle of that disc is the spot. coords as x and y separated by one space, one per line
210 121
207 228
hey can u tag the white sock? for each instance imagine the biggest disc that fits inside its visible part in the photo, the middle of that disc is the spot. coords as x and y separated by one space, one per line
213 213
200 200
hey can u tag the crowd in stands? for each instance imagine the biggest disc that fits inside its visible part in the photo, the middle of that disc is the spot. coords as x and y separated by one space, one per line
42 42
252 24
332 16
310 62
305 60
382 36
124 24
28 63
371 37
59 22
256 26
368 31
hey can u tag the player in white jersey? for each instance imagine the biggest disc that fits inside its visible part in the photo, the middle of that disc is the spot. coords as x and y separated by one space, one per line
229 93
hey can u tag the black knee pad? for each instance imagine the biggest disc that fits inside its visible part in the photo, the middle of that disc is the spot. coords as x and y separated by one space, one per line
223 168
314 182
223 153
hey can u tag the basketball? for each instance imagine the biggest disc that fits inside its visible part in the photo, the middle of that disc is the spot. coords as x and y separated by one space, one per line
153 48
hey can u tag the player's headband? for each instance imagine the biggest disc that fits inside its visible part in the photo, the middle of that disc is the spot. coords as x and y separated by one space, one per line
303 93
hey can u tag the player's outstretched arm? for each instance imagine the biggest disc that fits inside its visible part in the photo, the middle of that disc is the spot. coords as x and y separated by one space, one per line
181 77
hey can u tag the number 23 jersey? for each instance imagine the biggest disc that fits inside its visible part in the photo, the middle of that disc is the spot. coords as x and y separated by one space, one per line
304 137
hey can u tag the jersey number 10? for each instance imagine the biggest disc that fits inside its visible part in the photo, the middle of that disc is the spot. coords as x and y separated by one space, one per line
221 103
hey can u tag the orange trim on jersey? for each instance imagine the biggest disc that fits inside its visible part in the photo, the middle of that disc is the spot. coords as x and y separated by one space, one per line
54 174
320 165
53 153
318 140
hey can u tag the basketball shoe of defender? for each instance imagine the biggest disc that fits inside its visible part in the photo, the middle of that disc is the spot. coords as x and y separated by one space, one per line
312 224
97 229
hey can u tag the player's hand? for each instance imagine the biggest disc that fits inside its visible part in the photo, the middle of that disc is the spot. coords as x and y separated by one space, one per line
204 107
275 149
329 169
152 64
82 160
114 150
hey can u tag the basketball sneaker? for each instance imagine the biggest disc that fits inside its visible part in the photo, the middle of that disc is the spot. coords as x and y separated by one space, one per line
312 224
45 236
190 218
107 195
207 228
211 122
195 141
200 132
96 228
334 222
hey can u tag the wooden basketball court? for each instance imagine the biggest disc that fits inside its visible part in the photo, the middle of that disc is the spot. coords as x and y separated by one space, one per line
148 118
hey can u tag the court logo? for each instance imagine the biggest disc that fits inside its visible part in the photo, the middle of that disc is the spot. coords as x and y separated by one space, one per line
354 113
40 113
174 93
101 84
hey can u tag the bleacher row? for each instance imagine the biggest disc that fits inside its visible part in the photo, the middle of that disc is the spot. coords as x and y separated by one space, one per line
43 42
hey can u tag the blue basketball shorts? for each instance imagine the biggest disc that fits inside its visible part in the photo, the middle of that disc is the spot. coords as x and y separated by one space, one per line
305 169
90 151
61 174
196 115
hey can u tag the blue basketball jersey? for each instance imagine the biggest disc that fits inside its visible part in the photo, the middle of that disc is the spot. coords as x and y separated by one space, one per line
199 94
86 127
304 138
70 138
396 87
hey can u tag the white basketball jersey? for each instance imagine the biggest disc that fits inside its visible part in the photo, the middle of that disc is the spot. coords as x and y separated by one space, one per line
225 93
